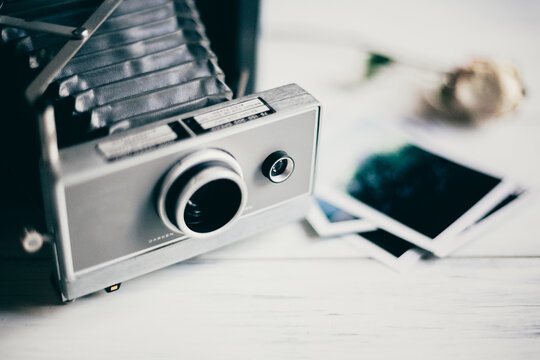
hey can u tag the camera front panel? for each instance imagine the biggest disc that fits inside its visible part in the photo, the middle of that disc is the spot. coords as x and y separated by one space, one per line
112 206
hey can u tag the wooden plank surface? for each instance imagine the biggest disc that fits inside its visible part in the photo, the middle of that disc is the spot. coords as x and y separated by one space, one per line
285 308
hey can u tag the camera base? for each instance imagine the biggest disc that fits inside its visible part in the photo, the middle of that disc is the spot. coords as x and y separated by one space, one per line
97 279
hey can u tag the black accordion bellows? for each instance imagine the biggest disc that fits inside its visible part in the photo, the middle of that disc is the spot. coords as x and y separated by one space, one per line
149 60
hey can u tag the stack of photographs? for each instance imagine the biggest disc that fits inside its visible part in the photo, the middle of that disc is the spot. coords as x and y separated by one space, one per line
402 200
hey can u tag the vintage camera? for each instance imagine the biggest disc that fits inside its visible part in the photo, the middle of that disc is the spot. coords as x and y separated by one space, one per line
131 192
148 197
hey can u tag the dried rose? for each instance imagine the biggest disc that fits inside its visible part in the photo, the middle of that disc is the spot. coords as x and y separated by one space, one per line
482 89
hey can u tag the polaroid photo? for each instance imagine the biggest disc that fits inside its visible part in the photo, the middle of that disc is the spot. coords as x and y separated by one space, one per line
388 248
492 218
411 191
329 220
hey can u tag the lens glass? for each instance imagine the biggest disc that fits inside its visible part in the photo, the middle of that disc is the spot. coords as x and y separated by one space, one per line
279 167
212 206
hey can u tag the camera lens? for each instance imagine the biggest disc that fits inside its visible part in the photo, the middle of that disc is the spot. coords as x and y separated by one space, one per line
278 166
212 206
202 194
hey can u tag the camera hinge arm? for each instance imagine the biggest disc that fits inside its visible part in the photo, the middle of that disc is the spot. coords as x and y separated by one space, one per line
61 30
39 85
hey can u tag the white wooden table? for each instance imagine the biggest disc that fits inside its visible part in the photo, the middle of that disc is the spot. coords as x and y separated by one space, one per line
286 294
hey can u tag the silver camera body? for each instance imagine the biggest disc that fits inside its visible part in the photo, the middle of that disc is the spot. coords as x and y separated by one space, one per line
144 198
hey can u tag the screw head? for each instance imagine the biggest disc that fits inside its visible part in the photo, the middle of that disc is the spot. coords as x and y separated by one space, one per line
32 241
80 33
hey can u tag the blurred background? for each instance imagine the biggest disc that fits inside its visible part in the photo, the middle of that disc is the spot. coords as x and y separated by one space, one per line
324 47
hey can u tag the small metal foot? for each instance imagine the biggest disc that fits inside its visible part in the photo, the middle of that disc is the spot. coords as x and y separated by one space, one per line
113 288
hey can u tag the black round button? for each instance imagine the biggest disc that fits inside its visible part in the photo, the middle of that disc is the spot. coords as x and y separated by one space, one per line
278 166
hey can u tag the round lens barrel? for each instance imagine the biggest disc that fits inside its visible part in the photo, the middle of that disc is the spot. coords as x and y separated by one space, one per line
278 167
